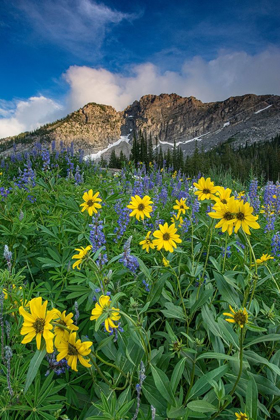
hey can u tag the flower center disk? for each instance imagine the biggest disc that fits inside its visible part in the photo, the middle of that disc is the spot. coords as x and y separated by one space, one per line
166 237
141 207
72 351
240 216
90 203
228 216
206 191
240 318
39 325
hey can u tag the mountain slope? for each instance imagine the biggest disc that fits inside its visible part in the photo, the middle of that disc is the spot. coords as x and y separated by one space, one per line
167 117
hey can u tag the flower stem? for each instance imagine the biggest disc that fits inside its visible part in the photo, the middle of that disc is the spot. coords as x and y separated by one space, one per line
91 356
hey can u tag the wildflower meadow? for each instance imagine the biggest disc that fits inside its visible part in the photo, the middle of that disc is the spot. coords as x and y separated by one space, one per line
136 294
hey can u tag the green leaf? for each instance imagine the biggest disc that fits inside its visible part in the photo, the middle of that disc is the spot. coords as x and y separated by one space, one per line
215 263
203 298
134 353
162 384
153 396
144 308
255 358
46 230
262 339
209 321
202 385
177 374
34 366
228 333
116 258
116 298
170 332
144 269
125 408
98 252
55 255
173 311
276 361
157 288
104 342
252 398
227 291
47 262
255 328
218 356
176 412
201 406
265 386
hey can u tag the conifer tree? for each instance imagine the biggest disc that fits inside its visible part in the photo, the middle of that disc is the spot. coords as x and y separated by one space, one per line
113 162
150 149
174 156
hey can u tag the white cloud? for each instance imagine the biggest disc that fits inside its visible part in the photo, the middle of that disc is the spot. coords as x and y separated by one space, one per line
28 115
230 74
78 26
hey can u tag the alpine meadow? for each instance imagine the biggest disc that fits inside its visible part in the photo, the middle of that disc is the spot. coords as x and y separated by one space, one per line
138 293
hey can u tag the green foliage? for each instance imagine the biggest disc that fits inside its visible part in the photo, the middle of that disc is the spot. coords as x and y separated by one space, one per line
174 355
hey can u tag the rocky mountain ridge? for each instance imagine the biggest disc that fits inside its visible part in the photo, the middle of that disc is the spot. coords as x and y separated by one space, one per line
167 117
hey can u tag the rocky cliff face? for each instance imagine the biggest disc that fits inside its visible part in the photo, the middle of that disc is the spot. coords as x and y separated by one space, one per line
185 120
168 118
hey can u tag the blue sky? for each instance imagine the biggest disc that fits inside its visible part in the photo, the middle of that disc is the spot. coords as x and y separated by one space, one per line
57 55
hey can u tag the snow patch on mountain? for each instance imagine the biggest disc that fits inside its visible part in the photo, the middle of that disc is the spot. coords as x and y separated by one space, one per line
261 110
98 155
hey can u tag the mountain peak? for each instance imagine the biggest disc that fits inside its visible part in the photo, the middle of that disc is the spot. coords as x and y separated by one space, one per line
167 117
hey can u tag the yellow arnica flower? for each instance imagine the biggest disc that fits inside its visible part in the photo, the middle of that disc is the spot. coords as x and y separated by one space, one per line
223 195
141 207
244 217
181 207
103 306
206 189
264 258
71 349
165 262
80 256
241 416
147 243
166 237
91 202
240 317
65 321
37 323
225 212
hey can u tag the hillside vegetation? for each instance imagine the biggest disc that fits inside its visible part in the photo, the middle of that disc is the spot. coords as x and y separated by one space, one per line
144 294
